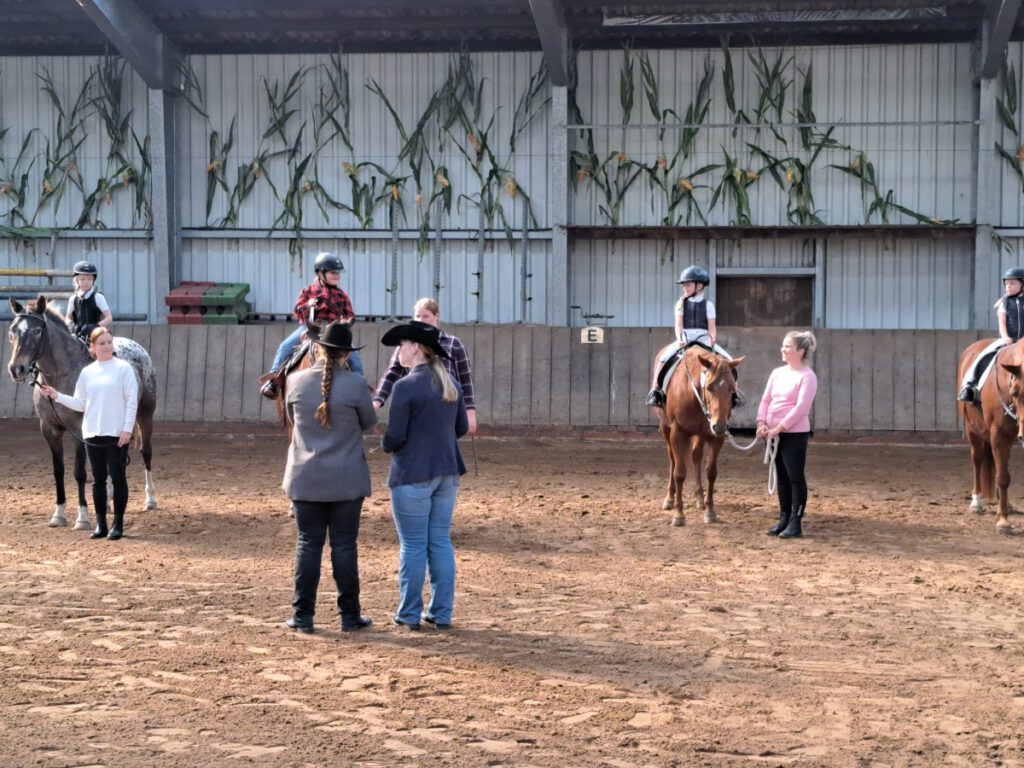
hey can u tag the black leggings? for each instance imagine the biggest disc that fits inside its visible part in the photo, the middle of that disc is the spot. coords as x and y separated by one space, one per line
789 470
106 459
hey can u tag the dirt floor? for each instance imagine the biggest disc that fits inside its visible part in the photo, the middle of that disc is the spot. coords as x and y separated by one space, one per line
589 632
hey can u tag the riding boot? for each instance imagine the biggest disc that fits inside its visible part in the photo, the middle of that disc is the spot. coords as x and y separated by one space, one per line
101 525
968 394
780 526
117 529
793 530
656 398
269 389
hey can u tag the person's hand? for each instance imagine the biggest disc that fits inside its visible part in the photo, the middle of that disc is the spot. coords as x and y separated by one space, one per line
762 430
775 431
471 416
124 439
49 392
377 405
714 340
1006 340
311 302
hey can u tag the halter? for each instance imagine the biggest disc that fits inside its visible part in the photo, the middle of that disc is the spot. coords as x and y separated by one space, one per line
1008 408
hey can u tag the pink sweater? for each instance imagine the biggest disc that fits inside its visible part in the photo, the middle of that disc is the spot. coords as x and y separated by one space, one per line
788 399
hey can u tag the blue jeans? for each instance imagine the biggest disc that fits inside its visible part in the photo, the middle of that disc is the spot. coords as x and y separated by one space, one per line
314 519
423 518
287 347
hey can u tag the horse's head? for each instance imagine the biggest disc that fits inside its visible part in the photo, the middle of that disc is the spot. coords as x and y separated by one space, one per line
719 385
1014 366
28 336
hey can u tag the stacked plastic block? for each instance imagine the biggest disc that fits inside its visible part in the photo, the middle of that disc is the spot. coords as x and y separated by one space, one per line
202 303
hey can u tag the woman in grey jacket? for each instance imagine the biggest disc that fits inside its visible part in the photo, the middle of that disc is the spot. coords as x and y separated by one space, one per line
327 476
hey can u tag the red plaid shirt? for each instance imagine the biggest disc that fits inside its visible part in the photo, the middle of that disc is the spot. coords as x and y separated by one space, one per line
331 304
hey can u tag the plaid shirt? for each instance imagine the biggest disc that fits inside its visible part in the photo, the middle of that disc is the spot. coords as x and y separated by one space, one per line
457 365
331 304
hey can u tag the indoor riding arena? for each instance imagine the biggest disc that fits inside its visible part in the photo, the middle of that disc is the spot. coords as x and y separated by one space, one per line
545 170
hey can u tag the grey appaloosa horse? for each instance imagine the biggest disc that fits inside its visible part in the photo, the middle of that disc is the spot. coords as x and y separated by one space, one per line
44 350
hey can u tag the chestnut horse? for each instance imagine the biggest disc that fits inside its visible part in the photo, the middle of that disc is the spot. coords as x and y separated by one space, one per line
698 404
992 425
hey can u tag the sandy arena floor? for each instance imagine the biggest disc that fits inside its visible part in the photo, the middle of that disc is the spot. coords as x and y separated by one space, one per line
589 631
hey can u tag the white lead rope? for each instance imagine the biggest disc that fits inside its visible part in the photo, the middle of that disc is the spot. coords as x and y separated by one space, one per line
771 448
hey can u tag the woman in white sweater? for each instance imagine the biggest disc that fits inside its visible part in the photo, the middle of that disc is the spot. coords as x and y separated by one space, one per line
107 392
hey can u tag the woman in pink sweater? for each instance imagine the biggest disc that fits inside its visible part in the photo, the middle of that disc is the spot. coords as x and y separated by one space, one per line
785 413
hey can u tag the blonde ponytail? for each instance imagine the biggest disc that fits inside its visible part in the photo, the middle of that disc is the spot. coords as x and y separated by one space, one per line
449 394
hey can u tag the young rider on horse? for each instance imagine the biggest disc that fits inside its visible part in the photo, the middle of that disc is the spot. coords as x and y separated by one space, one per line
1010 310
323 301
87 307
695 324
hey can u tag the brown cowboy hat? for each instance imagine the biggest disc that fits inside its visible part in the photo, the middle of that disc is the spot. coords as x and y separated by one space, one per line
337 336
421 333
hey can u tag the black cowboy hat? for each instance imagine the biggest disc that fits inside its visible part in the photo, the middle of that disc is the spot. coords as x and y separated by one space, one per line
337 336
421 333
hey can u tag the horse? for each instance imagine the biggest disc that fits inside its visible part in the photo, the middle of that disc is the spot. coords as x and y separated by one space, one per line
698 404
991 426
301 360
44 350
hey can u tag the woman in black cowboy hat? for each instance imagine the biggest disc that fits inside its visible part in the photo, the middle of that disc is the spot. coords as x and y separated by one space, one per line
427 417
327 476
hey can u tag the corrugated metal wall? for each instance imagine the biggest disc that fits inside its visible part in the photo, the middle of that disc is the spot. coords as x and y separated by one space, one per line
928 166
1011 202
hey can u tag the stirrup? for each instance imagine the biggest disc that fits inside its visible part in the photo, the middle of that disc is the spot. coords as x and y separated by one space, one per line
269 389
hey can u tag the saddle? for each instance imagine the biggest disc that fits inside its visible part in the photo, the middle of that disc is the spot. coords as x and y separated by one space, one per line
670 366
293 362
983 366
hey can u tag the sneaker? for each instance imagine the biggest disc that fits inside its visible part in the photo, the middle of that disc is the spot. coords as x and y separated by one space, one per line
435 623
655 398
404 624
968 395
269 390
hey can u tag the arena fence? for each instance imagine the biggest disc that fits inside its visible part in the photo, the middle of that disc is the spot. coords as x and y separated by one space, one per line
539 376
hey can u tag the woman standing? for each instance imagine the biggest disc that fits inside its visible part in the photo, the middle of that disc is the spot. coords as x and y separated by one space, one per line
785 413
327 476
456 361
107 391
428 416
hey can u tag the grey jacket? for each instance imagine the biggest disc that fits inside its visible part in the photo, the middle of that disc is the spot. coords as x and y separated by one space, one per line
328 464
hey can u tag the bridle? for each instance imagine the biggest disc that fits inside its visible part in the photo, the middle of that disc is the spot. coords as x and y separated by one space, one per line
1007 405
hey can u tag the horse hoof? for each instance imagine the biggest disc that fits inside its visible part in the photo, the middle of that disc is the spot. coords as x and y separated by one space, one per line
710 517
58 522
679 520
1004 528
149 506
667 504
82 525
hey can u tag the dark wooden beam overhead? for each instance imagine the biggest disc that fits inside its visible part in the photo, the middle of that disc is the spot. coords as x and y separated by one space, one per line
996 28
151 54
554 38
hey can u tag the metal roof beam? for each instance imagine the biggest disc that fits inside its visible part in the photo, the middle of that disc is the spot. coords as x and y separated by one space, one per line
136 37
996 27
554 38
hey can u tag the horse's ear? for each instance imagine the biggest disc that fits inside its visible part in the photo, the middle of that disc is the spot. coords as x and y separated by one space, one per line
40 305
735 363
312 329
706 360
1013 369
16 305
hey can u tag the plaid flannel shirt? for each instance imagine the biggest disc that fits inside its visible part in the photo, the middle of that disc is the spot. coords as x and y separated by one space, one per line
331 304
457 365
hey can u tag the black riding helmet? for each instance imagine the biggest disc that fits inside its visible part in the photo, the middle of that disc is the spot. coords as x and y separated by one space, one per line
694 274
328 262
85 268
1014 273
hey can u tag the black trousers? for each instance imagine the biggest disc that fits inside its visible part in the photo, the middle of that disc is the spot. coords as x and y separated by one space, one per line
314 520
107 460
789 470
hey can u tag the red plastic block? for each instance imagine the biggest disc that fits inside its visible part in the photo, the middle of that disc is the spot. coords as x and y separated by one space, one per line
187 294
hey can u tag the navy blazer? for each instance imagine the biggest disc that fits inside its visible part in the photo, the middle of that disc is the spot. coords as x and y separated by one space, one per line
423 432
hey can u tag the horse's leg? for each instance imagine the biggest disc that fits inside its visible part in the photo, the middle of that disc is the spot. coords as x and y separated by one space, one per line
712 470
980 460
146 431
670 494
55 439
697 456
677 446
82 522
1001 452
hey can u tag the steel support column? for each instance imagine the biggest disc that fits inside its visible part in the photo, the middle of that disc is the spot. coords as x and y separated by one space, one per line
164 122
554 38
558 170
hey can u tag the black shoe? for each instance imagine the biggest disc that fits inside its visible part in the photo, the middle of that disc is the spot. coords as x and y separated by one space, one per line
435 623
655 398
298 626
360 622
99 533
780 526
115 534
968 395
793 527
269 390
399 623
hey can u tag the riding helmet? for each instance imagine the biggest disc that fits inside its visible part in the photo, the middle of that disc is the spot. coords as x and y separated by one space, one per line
694 274
1014 273
328 262
85 268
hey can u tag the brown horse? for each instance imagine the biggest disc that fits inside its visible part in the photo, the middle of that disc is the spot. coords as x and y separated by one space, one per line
698 404
992 426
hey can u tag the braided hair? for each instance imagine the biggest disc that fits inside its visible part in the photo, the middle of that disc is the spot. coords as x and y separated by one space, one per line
333 358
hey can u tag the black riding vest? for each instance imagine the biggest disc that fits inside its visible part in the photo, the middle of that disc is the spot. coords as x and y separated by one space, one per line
84 312
695 314
1014 306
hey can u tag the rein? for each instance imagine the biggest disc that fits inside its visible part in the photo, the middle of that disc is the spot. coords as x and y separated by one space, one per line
1008 408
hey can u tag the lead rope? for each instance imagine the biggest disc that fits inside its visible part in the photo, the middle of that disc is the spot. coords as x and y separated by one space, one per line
771 448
